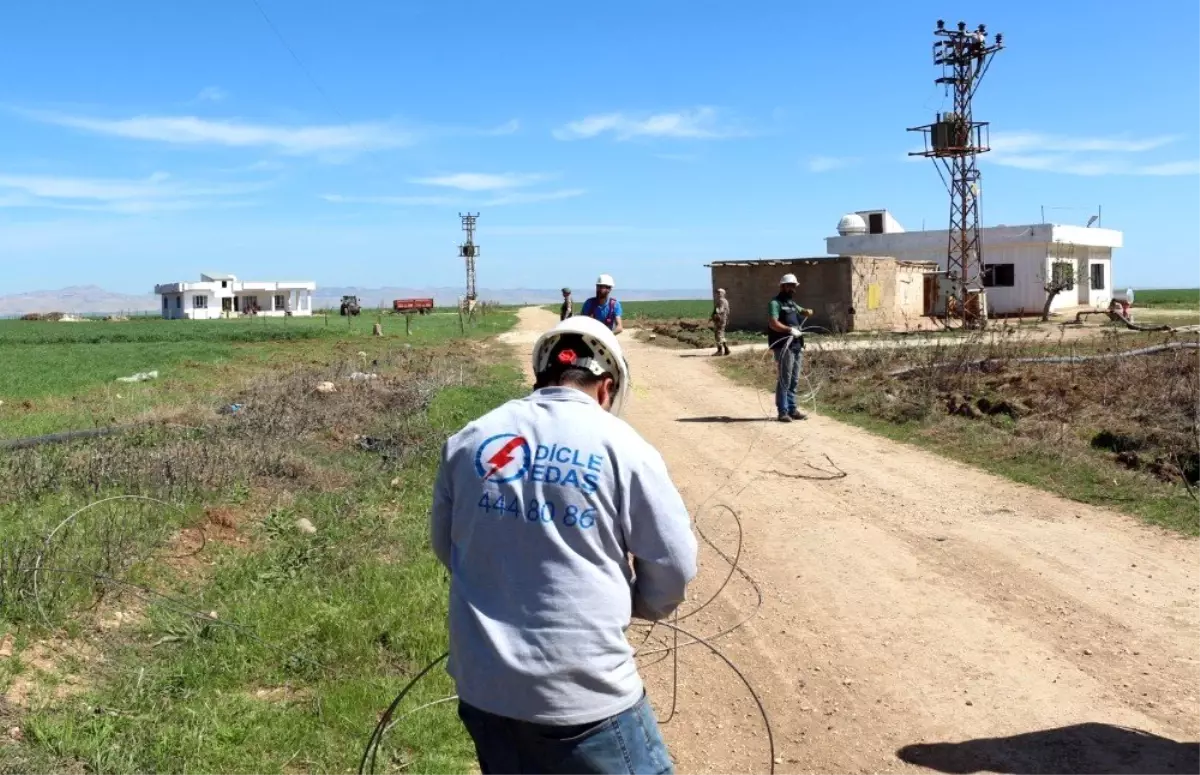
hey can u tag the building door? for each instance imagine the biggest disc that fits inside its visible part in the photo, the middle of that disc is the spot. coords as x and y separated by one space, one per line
226 305
929 299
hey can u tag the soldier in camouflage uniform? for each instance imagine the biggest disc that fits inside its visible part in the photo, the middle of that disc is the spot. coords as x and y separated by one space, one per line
720 319
568 306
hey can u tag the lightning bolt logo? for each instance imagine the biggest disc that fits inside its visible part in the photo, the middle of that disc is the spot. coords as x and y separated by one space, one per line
504 456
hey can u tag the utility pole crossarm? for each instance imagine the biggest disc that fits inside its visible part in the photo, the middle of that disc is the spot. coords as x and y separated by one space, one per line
469 251
954 141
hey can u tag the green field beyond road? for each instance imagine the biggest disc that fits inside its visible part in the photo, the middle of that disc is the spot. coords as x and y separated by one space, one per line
63 375
1179 298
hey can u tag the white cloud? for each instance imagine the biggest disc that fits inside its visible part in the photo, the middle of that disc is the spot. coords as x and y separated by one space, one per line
211 94
480 181
1021 142
191 130
400 201
459 200
507 128
1191 167
530 197
828 163
156 192
696 123
1084 156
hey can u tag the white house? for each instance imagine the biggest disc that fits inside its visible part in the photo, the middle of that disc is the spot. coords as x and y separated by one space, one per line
223 295
1017 260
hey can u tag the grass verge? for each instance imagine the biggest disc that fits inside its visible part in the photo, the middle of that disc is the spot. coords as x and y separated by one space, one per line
262 623
1117 433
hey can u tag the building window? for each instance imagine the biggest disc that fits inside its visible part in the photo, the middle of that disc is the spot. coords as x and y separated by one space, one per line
165 302
224 283
280 301
179 301
1063 275
200 302
1097 277
999 275
875 223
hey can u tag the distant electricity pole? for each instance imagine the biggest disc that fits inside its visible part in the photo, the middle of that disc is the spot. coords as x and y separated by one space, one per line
955 140
469 251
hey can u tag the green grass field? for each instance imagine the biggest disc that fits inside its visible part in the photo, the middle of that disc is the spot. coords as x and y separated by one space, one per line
1179 298
314 633
687 309
690 309
67 372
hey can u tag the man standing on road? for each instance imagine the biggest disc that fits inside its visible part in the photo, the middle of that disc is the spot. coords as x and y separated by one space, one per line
538 507
787 341
568 306
603 306
720 319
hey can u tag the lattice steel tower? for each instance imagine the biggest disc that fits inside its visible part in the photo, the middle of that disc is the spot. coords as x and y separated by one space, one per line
469 251
954 141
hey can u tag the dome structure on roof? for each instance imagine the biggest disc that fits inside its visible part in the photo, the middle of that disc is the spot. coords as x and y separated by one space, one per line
852 223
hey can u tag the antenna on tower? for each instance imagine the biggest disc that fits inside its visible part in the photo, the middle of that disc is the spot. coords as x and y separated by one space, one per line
954 141
469 251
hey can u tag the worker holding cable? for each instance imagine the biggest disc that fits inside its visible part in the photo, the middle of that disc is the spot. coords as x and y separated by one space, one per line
786 340
557 522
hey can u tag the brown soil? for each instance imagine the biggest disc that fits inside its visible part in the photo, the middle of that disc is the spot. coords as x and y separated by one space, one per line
915 601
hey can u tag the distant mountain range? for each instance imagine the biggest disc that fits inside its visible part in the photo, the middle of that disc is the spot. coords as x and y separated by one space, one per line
91 299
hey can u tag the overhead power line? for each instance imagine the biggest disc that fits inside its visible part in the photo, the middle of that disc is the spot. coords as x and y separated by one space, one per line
296 57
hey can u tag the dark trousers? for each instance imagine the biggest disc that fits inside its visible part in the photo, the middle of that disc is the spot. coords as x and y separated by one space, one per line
629 742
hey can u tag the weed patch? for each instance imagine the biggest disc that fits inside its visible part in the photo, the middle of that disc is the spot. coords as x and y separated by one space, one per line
262 618
1120 432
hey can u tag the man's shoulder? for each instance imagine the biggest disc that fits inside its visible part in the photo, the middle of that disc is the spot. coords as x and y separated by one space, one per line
487 423
624 438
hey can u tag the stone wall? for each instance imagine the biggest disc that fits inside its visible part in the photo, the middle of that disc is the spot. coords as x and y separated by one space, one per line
846 293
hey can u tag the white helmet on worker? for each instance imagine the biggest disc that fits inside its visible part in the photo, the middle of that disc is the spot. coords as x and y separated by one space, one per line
605 356
605 280
789 279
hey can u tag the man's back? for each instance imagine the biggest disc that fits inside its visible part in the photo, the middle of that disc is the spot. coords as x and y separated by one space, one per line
536 507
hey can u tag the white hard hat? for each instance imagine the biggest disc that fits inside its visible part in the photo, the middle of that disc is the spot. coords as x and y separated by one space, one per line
605 279
607 357
789 279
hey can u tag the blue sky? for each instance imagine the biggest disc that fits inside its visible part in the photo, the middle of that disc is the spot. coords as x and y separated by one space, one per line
146 141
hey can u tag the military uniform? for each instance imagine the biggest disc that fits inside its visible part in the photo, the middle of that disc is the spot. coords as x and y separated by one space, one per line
720 319
568 305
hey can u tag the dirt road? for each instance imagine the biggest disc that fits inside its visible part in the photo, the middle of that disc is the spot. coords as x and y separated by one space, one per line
915 601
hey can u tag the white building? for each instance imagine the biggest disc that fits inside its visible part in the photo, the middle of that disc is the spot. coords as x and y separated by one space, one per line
223 295
1017 260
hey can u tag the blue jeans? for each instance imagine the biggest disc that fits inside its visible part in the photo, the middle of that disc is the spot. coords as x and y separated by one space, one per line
790 363
628 742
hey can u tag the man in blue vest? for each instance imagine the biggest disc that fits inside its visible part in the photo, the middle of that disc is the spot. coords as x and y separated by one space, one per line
603 306
786 341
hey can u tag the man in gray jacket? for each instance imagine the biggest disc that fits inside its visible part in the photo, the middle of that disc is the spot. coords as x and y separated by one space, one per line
538 509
